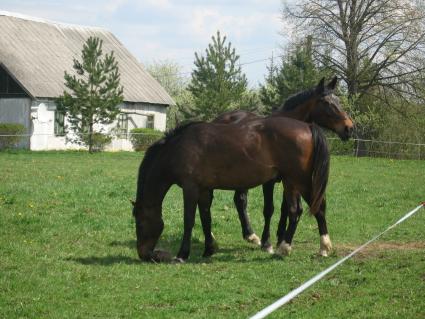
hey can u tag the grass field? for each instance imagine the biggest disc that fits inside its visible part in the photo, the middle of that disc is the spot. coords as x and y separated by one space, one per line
67 245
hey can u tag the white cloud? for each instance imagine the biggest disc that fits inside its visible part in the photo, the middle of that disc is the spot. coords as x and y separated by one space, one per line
113 5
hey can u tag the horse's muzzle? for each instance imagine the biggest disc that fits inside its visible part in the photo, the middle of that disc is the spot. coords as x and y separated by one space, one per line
348 133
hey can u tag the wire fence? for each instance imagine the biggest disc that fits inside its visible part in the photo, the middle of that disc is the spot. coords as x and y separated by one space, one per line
377 148
140 141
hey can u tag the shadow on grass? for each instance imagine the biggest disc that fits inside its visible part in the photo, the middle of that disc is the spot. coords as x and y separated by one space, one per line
225 253
105 261
131 244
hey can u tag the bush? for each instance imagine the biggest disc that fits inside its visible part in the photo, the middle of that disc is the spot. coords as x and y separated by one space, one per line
12 129
99 141
142 138
338 147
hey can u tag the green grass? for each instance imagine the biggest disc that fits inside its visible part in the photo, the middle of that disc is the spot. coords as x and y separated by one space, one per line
67 246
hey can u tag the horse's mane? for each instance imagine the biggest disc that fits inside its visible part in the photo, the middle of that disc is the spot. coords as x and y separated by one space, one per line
151 154
297 99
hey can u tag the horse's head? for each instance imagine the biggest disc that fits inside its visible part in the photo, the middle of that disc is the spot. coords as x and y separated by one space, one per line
149 226
328 112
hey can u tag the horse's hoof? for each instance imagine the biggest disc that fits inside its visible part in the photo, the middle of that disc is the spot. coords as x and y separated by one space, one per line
208 252
253 239
284 249
325 245
268 249
323 253
178 260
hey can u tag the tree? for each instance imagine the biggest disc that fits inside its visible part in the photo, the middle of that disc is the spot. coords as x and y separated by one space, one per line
296 72
168 74
375 45
94 93
217 82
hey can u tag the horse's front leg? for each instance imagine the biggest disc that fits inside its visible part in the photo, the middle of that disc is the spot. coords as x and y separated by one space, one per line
268 209
204 203
290 208
241 202
325 242
190 198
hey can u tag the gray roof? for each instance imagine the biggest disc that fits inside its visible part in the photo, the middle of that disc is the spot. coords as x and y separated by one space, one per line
37 52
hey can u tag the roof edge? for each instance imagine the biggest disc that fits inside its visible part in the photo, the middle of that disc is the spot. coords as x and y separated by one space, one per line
41 20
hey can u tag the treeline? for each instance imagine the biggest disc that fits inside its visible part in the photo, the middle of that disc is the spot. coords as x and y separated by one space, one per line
376 48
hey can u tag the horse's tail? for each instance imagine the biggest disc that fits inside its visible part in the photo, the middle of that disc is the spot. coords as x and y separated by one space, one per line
320 175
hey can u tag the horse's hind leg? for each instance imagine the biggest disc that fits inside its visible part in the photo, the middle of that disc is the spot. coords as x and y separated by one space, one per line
267 213
241 201
190 197
290 208
204 203
325 242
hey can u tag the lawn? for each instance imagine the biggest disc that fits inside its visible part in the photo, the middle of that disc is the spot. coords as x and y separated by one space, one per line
67 245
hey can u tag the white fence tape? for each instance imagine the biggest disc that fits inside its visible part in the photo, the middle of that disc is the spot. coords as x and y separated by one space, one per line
279 303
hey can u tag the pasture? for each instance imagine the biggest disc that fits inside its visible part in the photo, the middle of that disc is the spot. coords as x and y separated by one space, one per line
67 245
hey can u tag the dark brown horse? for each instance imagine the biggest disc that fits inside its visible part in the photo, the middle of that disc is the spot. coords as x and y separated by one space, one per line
201 157
318 105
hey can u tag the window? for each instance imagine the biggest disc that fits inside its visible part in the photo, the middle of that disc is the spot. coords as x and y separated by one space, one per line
8 86
122 126
150 121
59 123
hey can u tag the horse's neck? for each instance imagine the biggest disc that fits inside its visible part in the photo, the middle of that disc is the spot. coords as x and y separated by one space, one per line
155 190
157 195
301 113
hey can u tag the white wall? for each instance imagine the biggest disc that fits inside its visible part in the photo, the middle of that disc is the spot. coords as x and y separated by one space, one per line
43 113
138 115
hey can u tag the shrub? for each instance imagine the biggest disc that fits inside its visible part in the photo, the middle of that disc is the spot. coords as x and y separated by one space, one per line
11 129
142 138
99 141
338 147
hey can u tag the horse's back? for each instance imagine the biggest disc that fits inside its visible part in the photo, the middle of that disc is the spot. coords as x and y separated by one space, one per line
235 116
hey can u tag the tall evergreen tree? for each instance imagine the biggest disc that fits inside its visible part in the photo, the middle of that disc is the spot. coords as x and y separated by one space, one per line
94 92
217 82
297 71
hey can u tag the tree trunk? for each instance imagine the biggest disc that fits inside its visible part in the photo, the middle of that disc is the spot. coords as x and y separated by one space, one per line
91 137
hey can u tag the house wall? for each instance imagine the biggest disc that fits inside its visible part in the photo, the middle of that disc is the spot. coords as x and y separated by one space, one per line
43 114
138 113
17 110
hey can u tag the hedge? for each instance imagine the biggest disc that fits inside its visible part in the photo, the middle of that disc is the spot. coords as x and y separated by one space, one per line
142 138
11 129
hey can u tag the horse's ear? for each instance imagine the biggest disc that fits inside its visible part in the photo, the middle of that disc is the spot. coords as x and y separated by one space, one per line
332 84
320 89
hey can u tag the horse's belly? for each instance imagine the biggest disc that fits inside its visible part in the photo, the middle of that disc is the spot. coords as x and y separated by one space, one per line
239 178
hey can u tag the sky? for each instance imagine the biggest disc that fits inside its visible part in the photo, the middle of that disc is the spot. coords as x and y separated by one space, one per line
160 30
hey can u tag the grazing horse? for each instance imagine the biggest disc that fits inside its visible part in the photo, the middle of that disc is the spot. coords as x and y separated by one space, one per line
318 105
201 157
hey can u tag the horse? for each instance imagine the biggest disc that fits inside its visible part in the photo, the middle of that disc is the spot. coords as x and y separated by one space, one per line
317 105
200 157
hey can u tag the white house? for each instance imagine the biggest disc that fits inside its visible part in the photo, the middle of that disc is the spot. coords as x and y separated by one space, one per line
34 54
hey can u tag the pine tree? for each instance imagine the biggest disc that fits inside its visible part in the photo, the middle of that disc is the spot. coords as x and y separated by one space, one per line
296 72
94 93
217 82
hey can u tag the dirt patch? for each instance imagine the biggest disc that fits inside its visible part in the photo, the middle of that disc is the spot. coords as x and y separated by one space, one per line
378 249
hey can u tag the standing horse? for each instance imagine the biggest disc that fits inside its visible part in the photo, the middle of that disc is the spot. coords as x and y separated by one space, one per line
200 157
318 105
